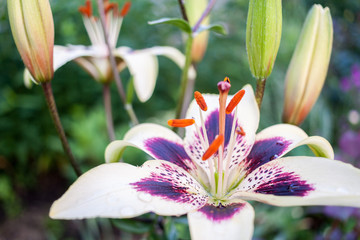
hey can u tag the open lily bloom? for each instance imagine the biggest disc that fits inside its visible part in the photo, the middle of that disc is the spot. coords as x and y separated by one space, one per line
142 64
211 173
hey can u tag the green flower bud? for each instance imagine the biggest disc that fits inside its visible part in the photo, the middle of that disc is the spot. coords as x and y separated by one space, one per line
263 34
309 65
32 27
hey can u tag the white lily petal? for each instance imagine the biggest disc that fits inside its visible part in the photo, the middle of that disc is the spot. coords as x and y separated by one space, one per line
319 145
234 221
63 55
288 137
176 56
294 181
143 136
143 66
28 79
120 190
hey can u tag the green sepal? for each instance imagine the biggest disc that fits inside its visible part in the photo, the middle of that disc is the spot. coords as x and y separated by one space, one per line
180 23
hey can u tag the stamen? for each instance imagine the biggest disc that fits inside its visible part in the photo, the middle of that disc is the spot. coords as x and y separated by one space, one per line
214 146
181 122
110 6
235 101
87 9
240 131
200 101
125 9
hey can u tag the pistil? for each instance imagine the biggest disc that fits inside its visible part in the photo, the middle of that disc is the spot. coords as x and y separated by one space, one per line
224 88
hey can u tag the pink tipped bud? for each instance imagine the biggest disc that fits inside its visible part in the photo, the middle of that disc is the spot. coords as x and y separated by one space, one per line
32 27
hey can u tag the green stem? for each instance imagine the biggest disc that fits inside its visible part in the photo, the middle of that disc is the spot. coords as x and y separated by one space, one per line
184 77
108 112
56 119
260 88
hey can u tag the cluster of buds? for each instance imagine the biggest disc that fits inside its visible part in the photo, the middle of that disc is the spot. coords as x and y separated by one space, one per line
32 27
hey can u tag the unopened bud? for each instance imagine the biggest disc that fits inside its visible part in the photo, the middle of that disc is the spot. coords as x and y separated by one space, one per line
194 10
309 65
263 34
32 27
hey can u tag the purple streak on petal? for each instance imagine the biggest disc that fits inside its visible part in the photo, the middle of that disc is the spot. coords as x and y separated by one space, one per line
277 182
170 151
212 126
168 183
265 151
220 213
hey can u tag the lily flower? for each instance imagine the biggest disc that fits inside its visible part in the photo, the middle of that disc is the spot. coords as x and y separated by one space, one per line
212 173
142 64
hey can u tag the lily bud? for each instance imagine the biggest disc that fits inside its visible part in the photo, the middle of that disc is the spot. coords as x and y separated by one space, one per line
32 27
263 35
194 10
309 64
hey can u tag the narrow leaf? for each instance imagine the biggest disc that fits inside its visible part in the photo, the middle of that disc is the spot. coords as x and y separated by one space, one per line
217 28
180 23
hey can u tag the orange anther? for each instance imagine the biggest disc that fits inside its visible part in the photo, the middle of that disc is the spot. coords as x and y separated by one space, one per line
125 9
180 122
87 9
240 131
110 6
200 100
214 146
235 101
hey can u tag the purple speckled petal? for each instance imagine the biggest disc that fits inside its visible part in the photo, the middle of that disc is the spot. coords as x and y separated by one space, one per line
170 151
228 221
296 181
272 143
171 183
157 141
120 190
264 151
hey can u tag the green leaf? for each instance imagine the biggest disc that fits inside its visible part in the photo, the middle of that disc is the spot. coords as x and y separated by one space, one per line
178 22
217 28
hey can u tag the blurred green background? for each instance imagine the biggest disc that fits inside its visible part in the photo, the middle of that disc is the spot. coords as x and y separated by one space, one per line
34 170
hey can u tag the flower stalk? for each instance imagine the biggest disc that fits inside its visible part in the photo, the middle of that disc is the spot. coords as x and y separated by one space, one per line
59 129
108 111
115 73
184 79
260 89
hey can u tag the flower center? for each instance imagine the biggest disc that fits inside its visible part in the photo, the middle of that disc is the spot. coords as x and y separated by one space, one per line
217 157
113 21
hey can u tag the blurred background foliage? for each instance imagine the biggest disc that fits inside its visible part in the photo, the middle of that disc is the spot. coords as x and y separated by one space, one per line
34 170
